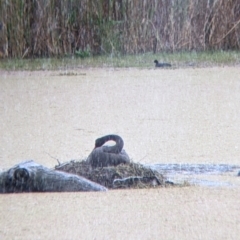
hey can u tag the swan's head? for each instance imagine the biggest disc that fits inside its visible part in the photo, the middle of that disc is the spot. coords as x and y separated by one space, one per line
156 61
99 142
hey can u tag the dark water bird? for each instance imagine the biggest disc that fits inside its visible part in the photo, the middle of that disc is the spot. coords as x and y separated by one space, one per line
103 156
161 65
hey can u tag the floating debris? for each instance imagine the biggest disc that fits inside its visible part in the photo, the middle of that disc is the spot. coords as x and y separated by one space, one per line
69 74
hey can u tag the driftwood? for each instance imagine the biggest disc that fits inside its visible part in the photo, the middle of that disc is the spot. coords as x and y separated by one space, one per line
32 177
132 175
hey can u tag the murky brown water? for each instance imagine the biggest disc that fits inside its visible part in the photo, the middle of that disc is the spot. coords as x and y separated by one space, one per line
164 116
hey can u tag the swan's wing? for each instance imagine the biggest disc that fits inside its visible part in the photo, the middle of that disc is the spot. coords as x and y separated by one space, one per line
110 149
124 153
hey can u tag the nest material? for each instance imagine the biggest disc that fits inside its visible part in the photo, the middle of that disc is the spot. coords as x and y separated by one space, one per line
132 175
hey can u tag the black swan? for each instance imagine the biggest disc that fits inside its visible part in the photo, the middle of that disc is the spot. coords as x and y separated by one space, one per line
103 156
162 65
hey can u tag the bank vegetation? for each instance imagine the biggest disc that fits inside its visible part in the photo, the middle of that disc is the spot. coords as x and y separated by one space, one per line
47 28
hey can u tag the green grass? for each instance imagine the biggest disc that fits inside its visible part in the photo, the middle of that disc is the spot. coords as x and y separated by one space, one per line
178 59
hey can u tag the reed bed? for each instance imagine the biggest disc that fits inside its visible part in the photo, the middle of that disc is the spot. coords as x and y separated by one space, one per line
46 28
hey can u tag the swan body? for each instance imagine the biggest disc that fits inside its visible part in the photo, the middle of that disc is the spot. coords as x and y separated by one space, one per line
103 156
157 64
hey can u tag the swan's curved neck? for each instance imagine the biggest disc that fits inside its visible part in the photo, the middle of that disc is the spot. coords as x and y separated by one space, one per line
117 148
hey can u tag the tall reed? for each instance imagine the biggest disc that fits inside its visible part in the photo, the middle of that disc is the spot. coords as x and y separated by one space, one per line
39 28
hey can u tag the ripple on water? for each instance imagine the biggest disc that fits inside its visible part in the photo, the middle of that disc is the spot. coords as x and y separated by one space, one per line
189 169
180 173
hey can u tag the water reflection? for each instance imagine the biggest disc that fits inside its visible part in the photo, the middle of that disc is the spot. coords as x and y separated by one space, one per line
195 168
198 174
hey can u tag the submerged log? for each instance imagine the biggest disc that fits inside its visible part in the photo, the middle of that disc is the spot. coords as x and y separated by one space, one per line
135 181
32 177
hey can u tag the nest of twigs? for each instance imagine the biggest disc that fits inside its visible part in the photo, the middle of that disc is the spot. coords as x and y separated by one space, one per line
133 175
